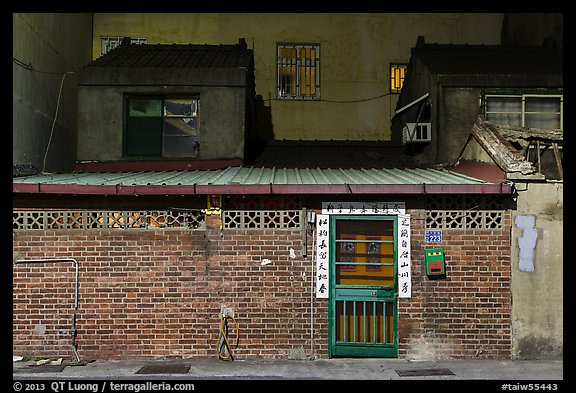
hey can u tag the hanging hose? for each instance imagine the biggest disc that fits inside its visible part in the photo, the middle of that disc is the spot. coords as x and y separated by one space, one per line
224 350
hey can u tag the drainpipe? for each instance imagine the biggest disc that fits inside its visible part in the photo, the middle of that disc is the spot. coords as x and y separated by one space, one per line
74 344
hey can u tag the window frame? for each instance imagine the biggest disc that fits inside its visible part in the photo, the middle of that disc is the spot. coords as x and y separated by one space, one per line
157 130
522 96
394 89
304 69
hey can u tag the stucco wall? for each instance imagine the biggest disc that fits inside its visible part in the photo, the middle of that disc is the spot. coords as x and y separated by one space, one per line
537 271
49 46
460 109
101 120
355 54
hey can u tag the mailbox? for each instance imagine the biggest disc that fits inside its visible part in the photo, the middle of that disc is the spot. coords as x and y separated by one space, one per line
434 261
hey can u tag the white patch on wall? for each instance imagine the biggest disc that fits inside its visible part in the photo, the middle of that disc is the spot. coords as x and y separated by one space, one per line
363 208
526 242
322 261
404 258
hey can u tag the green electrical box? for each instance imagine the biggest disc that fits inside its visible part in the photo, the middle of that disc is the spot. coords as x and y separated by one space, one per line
434 261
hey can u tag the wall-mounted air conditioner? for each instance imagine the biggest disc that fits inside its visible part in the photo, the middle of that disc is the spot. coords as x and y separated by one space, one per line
416 134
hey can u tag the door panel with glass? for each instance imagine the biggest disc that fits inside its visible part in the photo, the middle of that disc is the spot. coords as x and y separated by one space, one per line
363 297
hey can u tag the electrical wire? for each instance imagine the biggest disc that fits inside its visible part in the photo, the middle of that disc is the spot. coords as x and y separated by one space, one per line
224 348
29 67
54 122
334 101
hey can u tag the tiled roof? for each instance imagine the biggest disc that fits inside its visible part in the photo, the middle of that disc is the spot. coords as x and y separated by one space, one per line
489 59
176 56
334 154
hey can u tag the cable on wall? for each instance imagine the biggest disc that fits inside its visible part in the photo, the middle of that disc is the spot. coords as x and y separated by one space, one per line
64 74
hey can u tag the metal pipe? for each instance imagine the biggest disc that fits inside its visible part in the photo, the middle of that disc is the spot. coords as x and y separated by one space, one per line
49 260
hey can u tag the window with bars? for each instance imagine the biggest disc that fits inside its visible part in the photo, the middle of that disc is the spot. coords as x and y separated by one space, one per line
109 43
525 110
397 75
298 71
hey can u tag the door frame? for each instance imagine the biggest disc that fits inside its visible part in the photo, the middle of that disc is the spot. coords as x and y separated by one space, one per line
364 293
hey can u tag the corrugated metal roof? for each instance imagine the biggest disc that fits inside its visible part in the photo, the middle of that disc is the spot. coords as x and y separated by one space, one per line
259 180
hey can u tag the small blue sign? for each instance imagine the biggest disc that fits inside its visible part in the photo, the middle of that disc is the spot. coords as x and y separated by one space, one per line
433 236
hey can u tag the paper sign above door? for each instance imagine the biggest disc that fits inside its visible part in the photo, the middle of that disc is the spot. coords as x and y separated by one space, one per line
363 208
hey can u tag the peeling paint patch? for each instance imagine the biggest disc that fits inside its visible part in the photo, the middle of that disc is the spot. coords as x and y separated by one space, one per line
527 242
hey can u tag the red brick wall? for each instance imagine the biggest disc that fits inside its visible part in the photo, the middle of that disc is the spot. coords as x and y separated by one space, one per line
467 314
158 293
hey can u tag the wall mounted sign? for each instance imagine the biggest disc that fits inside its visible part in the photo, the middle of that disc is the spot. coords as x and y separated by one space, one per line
363 208
433 236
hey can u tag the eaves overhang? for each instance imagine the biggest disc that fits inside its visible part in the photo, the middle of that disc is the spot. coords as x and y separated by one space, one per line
252 180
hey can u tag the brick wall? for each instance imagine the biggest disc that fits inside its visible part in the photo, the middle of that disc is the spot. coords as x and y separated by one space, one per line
467 314
158 293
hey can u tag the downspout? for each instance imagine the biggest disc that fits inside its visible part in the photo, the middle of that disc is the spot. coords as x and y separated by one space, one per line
74 344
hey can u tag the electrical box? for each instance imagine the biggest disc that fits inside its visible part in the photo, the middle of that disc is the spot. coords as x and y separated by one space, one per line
434 261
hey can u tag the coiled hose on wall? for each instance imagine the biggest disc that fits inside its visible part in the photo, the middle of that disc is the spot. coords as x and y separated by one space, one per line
224 348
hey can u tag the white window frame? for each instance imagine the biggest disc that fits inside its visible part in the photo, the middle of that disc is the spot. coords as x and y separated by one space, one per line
523 111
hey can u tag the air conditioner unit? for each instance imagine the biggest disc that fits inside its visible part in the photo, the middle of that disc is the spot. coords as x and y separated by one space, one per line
413 134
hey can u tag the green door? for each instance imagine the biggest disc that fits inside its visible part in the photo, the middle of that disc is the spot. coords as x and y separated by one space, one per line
363 286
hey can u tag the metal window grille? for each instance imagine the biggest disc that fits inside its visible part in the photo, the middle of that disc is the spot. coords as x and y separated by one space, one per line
454 212
262 219
397 75
101 219
109 43
298 71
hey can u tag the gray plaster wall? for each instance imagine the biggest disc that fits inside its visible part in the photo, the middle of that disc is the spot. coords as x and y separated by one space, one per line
460 109
44 87
537 271
101 119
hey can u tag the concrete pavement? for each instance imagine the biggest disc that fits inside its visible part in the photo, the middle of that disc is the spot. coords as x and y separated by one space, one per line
280 369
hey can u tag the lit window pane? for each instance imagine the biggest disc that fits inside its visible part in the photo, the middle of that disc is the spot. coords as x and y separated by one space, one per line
297 67
397 75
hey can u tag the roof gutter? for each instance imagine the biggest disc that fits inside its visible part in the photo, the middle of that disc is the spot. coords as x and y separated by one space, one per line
277 189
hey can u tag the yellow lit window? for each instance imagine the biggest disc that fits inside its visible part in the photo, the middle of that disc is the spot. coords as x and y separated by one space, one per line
397 74
298 71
